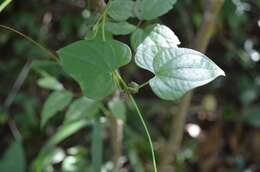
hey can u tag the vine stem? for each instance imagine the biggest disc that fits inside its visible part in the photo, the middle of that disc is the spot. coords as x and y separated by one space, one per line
141 118
144 84
50 54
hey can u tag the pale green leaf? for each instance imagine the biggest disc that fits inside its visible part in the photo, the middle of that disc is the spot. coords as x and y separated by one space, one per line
121 10
151 9
80 109
13 159
120 28
91 64
50 83
176 70
118 109
56 102
159 37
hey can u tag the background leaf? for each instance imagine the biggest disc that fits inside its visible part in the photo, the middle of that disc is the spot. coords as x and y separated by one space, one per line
121 28
151 9
13 159
56 102
121 9
50 83
81 109
91 64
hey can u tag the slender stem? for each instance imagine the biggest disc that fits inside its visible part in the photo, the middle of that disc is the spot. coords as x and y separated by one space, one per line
102 18
141 118
50 54
144 84
146 130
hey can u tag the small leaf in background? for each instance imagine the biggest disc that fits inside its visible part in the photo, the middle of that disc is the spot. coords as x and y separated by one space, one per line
56 102
121 10
151 9
91 64
252 116
97 147
118 108
120 28
47 152
13 159
50 67
50 83
80 109
65 131
176 70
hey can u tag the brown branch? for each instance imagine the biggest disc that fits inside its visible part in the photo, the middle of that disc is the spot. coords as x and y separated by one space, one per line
117 126
97 5
200 43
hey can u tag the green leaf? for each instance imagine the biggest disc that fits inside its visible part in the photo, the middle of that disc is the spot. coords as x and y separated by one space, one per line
118 109
80 109
91 64
13 159
50 83
121 10
151 9
46 153
98 35
66 131
56 102
120 28
176 70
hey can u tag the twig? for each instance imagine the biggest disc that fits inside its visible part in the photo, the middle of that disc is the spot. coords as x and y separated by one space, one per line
116 128
200 43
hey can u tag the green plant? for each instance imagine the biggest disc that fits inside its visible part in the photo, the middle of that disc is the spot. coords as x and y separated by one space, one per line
94 64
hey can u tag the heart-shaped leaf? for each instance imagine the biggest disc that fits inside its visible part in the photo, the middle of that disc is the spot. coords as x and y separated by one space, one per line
91 64
176 70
